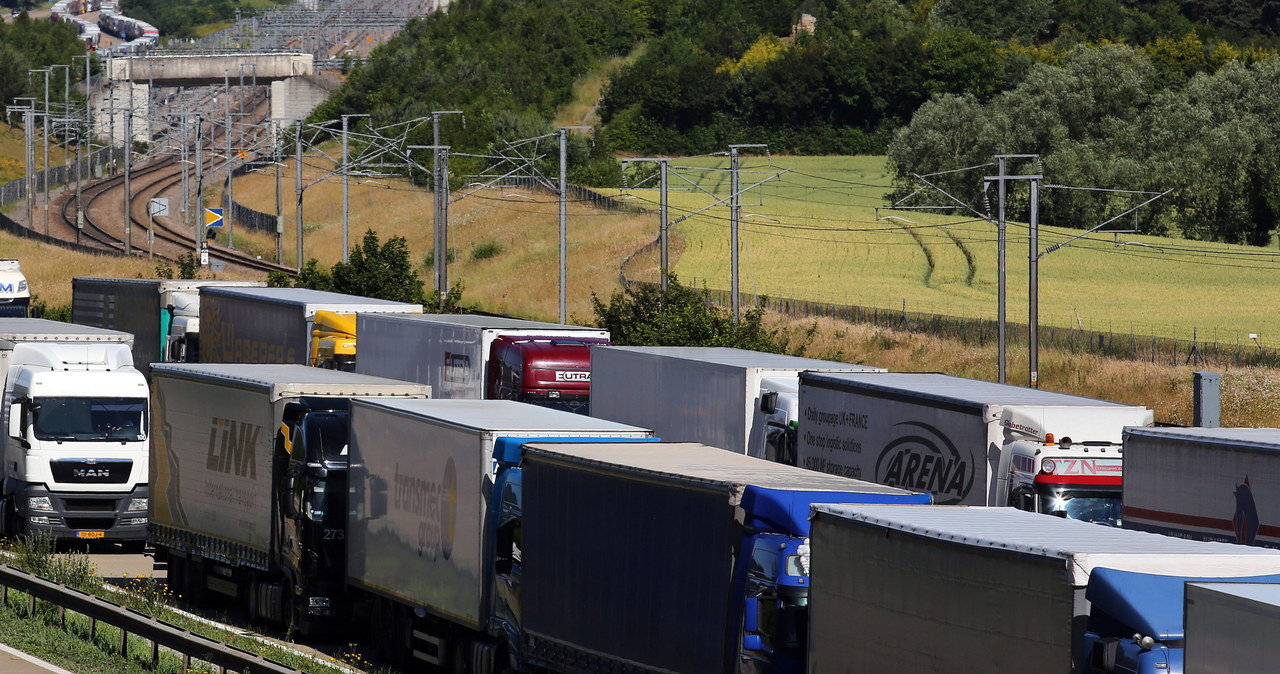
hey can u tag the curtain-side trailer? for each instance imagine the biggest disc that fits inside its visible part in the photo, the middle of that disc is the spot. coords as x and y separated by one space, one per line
1209 484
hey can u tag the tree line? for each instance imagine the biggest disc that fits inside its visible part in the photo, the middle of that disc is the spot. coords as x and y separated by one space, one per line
26 43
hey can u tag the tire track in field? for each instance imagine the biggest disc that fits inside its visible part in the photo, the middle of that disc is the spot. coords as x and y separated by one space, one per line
930 263
972 270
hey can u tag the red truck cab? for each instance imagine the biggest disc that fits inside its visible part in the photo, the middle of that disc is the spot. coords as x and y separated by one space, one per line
547 371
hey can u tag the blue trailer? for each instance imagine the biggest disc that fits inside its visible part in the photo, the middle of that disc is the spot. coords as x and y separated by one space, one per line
669 557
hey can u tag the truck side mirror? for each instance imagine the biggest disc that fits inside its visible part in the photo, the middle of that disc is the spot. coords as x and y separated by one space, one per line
286 498
751 616
15 421
769 402
377 497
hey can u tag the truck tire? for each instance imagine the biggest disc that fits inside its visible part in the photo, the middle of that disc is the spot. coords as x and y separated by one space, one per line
252 591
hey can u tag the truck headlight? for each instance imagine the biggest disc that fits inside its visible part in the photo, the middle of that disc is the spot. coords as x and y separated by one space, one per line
136 504
42 503
1047 466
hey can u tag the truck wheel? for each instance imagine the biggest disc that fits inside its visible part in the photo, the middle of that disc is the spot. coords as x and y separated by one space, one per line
11 527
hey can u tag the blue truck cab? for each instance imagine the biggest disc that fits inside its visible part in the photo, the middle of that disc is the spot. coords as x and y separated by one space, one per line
1135 623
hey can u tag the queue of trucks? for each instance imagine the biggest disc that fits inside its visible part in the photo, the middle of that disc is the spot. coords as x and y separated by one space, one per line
781 524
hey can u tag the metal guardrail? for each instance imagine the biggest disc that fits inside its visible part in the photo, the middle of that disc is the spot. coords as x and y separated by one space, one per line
190 645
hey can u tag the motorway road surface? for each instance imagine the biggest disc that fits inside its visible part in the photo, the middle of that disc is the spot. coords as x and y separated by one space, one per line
14 661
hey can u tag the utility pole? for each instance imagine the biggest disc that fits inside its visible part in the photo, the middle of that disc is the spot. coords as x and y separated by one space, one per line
440 218
1033 286
230 213
1001 181
735 211
44 173
663 223
564 212
202 241
279 158
298 150
128 162
346 202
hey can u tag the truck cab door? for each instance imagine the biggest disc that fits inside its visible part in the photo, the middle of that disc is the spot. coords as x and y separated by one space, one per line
759 609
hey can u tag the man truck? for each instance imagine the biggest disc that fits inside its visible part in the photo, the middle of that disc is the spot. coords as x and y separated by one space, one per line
75 446
15 296
286 325
163 315
728 398
968 441
484 357
934 589
573 554
249 474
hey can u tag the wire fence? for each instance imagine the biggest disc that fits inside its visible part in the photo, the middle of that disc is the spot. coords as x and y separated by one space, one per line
94 166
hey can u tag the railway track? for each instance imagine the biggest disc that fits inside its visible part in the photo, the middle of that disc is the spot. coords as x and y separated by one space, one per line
104 225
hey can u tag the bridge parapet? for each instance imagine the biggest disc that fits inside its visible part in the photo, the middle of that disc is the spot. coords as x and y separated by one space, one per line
197 69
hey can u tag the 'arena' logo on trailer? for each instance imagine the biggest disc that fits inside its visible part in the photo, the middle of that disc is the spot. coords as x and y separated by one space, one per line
924 459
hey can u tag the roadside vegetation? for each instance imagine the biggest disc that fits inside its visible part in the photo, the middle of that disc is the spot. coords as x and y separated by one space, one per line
64 639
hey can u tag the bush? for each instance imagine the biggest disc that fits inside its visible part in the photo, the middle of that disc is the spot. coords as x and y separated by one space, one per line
485 250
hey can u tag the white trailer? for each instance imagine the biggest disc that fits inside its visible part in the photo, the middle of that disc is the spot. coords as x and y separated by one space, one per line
1231 628
75 447
275 325
735 399
1210 484
152 310
473 357
944 589
968 441
15 296
249 471
422 471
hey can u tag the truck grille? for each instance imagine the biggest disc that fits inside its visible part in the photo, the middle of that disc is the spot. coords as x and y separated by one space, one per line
89 505
90 522
91 471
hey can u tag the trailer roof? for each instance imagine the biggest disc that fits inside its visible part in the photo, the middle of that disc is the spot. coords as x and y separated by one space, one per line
721 355
697 463
1258 439
487 322
168 284
1082 545
314 299
1261 592
957 391
503 416
43 330
292 379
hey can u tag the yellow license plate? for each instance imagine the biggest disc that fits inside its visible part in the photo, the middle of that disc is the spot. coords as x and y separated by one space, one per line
90 534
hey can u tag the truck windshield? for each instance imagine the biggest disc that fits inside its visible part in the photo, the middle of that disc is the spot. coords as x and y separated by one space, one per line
1100 507
90 419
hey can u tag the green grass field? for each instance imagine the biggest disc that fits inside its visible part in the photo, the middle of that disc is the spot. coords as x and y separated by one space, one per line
812 233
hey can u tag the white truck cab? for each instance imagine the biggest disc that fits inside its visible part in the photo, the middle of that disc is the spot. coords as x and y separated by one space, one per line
76 415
